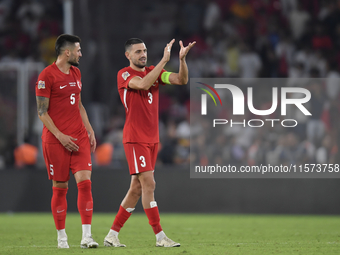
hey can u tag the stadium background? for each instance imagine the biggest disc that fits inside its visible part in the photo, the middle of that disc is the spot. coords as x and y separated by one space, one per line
268 38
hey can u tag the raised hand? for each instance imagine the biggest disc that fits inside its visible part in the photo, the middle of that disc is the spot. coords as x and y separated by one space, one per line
167 50
184 50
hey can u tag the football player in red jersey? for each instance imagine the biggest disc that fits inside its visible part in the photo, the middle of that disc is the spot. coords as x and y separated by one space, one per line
138 87
68 138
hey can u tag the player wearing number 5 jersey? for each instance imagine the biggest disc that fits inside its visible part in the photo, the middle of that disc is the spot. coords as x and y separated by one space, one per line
138 87
67 137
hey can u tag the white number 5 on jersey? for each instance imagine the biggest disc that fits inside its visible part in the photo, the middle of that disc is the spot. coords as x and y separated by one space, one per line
72 98
51 170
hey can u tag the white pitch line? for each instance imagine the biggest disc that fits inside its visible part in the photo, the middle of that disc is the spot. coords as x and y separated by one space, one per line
202 244
54 246
37 246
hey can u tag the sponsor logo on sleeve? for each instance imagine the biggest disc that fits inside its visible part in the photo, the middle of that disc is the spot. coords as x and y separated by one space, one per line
79 84
41 84
125 75
155 84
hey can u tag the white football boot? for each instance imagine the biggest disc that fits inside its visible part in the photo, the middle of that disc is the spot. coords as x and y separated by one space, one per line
167 242
62 243
112 240
88 242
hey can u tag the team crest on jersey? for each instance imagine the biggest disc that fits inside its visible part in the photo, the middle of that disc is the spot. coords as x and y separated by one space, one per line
125 75
41 84
79 84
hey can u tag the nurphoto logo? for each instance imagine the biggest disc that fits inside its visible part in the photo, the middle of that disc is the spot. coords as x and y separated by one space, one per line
238 99
262 128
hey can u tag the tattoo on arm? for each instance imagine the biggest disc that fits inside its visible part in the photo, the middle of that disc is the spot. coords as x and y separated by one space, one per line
42 104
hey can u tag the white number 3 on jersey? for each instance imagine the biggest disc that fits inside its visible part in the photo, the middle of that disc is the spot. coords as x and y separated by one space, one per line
141 158
150 98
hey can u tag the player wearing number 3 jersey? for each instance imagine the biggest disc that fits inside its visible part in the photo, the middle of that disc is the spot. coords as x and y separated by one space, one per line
68 137
141 106
140 134
138 87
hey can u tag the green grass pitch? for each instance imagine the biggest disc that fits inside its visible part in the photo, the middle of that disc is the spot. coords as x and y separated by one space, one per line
34 233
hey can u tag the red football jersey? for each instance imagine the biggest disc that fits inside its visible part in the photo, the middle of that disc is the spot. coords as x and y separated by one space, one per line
63 90
141 107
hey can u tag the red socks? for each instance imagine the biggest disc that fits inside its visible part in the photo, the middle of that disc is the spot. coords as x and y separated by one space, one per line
85 204
121 217
85 201
59 207
154 219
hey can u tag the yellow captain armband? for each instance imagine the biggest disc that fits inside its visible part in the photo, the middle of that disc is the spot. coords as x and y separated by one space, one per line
165 77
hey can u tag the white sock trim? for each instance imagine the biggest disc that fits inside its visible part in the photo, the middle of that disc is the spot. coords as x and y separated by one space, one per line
130 210
61 233
86 230
113 233
160 236
153 204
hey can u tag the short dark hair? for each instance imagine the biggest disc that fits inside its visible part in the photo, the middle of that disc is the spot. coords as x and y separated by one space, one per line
65 40
132 41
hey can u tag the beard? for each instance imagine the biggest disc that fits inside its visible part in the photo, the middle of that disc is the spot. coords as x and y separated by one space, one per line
73 60
73 63
139 65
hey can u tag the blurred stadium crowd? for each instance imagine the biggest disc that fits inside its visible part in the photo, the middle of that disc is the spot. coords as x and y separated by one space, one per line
28 30
238 38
